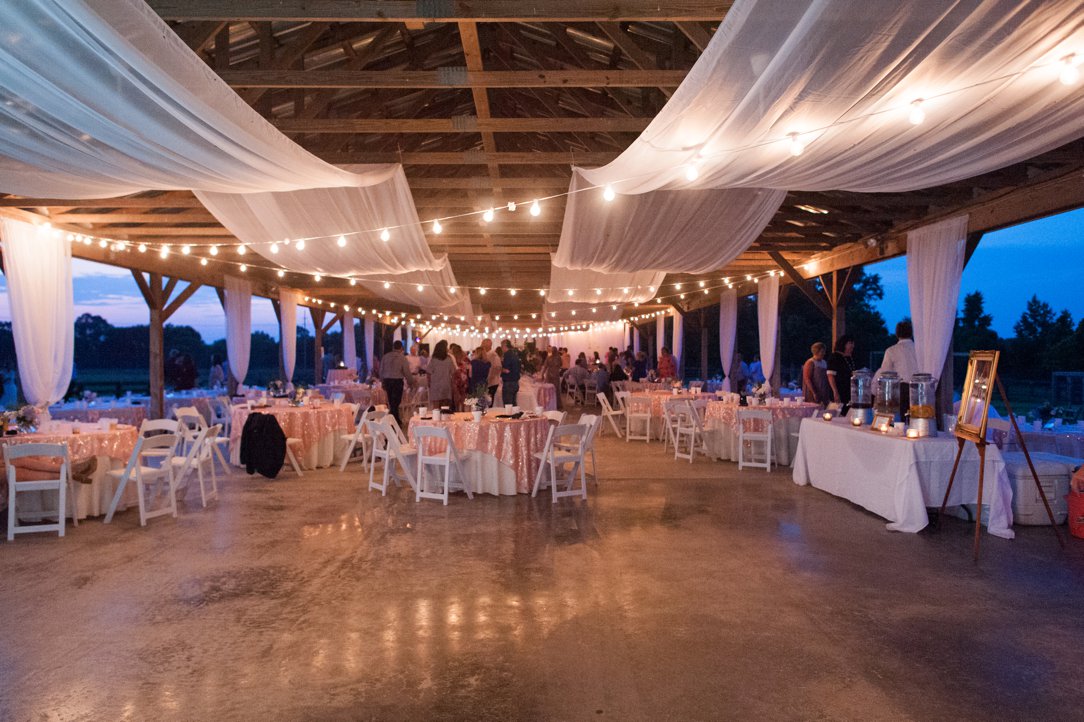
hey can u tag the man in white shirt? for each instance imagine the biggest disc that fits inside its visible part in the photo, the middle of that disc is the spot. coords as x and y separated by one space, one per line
494 378
901 358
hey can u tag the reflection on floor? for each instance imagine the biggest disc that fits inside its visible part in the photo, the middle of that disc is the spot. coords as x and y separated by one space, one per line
676 591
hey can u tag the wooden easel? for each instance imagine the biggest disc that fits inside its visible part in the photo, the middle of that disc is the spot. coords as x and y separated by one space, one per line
980 443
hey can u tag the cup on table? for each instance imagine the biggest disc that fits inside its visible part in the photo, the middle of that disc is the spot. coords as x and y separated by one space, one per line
103 424
508 408
436 414
899 428
477 414
423 411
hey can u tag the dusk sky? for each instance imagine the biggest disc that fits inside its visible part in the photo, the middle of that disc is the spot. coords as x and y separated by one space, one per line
1041 258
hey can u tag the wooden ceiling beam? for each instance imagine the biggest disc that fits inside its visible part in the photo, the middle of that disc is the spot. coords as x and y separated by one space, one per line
452 78
479 157
411 11
463 124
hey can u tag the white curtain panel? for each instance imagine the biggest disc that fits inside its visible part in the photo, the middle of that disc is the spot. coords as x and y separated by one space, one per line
768 324
636 339
370 343
660 335
591 286
288 301
101 98
597 338
728 329
935 261
679 344
843 74
38 268
238 325
350 346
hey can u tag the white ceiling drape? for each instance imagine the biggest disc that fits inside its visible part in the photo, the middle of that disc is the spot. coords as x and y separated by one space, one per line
935 262
768 324
578 313
843 74
38 268
288 301
238 294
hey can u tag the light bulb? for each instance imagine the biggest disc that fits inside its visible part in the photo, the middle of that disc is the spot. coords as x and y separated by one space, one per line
512 292
691 173
535 208
385 235
241 250
608 193
569 292
213 251
511 206
353 281
917 114
488 216
1069 73
300 244
677 286
103 243
598 291
481 291
341 241
164 252
274 248
452 289
142 247
625 290
185 249
243 268
387 285
748 277
496 318
317 277
541 292
420 288
203 261
796 145
437 228
282 273
573 312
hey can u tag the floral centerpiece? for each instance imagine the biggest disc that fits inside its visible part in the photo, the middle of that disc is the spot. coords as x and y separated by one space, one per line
277 388
89 396
300 395
478 399
26 420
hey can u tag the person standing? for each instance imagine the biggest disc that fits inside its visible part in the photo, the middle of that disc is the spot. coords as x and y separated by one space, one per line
217 376
667 368
841 368
901 358
510 374
739 374
566 359
639 367
494 379
462 375
815 376
479 370
551 373
441 372
394 372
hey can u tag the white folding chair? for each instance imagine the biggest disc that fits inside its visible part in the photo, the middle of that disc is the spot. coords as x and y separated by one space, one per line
191 422
755 429
160 448
292 443
673 413
223 413
594 428
637 412
59 481
200 453
558 416
610 413
397 458
689 434
565 447
359 436
449 459
590 392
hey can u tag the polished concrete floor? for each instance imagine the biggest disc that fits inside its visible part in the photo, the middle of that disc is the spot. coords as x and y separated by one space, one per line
674 592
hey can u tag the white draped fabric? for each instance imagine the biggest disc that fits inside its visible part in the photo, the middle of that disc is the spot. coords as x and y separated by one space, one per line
636 339
842 74
768 324
597 338
435 293
679 344
935 261
38 268
370 343
288 330
728 328
101 98
579 312
238 325
381 200
588 285
350 346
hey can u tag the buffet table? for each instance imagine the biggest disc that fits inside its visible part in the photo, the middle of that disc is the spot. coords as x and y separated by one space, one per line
112 449
899 478
721 428
503 460
319 429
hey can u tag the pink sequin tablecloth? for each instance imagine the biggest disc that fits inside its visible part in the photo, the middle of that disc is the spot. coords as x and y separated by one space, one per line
356 393
721 428
511 443
319 429
130 415
338 376
659 399
112 449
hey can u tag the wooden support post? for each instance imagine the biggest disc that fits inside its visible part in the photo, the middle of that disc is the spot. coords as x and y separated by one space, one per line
157 296
277 306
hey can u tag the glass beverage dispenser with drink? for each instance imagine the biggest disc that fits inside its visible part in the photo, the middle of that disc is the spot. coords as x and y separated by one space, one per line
861 397
923 411
886 400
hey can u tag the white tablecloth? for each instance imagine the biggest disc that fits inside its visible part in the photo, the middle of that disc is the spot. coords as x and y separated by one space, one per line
721 435
898 478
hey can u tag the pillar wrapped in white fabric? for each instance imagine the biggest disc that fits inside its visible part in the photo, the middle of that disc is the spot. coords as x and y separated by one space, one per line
288 330
38 268
935 262
350 348
238 325
728 327
370 343
679 344
768 324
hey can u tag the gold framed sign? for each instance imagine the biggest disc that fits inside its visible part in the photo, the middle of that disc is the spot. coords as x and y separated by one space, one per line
978 390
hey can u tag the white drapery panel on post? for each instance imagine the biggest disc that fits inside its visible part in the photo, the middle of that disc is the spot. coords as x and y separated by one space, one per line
728 329
107 100
589 286
679 344
635 339
843 77
768 324
350 346
288 330
935 261
660 336
238 325
370 343
38 267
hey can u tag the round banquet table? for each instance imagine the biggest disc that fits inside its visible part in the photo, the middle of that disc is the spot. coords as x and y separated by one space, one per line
338 376
131 415
537 394
112 449
319 429
201 400
356 393
721 428
503 460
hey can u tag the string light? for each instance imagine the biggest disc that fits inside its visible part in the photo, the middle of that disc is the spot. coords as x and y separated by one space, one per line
385 235
243 268
317 277
917 114
1069 73
511 206
387 285
274 248
482 291
608 193
213 250
203 261
242 250
341 241
542 292
103 243
536 209
164 251
796 146
511 292
353 281
142 247
452 289
420 289
437 228
281 273
300 245
691 173
185 249
488 215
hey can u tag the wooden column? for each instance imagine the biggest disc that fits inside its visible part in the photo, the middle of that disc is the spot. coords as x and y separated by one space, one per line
156 290
277 306
831 300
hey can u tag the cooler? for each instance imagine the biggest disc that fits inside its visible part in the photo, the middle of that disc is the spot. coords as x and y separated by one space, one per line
1027 505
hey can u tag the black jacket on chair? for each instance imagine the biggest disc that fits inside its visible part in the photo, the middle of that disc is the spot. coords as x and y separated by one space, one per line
263 445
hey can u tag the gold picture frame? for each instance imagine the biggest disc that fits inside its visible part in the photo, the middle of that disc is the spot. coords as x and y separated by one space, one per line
978 390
